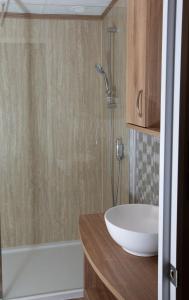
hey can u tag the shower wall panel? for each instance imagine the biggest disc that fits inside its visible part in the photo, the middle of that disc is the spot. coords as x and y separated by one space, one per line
115 18
51 128
23 139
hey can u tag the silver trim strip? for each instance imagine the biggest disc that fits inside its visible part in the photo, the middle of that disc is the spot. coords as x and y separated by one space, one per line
166 145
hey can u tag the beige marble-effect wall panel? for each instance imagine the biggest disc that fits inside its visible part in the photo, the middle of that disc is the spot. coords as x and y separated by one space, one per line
50 128
116 17
22 119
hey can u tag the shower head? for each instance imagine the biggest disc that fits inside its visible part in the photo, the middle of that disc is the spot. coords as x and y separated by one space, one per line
100 70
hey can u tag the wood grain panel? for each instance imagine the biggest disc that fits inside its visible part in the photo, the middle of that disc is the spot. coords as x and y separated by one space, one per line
51 133
136 60
151 130
116 17
144 45
94 288
153 62
119 271
95 294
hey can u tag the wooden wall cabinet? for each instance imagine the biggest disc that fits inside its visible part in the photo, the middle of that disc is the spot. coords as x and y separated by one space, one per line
144 45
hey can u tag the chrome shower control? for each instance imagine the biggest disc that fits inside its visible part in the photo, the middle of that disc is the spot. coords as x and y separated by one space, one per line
119 149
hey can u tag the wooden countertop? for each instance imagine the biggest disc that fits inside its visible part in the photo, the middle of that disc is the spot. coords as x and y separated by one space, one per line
126 276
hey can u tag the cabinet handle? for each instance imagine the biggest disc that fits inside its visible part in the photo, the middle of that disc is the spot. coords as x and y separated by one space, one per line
139 103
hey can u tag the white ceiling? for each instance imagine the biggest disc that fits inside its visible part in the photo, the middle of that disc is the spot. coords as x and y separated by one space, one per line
66 7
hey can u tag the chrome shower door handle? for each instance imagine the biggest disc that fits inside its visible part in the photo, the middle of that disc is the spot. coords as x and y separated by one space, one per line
139 103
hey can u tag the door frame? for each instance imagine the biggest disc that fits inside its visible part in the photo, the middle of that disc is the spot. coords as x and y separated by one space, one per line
183 165
169 145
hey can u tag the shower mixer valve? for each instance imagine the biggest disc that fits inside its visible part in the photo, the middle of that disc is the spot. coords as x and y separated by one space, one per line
119 149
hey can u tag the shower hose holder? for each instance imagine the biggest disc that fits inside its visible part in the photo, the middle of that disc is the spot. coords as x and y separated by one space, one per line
111 101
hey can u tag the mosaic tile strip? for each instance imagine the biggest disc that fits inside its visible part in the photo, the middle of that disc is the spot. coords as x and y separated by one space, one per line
144 168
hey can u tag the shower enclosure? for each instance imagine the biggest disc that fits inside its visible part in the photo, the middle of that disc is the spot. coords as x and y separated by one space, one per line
55 134
110 92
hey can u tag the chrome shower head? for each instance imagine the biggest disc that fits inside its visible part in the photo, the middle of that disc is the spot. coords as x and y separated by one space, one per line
100 70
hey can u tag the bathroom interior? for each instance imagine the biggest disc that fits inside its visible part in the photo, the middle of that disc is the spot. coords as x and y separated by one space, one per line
73 140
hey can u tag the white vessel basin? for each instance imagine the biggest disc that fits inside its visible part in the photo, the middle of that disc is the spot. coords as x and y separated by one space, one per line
134 227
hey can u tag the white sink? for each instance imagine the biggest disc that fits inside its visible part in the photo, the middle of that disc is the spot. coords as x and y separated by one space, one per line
134 227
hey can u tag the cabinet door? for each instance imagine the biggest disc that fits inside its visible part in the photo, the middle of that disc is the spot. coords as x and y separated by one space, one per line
136 62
